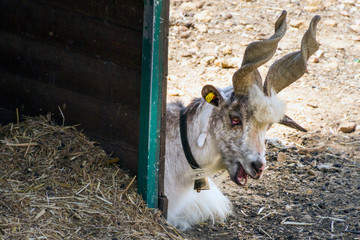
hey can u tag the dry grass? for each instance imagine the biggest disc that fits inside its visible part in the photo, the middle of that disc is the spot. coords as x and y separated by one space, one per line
56 184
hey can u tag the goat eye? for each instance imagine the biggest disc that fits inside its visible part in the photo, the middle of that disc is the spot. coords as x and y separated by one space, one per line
235 120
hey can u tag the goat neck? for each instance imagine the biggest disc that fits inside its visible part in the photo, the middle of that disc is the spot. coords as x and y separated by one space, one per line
200 137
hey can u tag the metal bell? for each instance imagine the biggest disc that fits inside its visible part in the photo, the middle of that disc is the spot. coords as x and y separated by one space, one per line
201 184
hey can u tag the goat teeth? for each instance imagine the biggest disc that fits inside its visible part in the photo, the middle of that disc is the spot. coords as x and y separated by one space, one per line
242 181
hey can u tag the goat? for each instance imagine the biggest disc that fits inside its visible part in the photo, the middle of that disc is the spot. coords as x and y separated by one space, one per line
225 129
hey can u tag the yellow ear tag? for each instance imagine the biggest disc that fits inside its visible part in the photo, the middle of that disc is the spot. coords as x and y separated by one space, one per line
210 97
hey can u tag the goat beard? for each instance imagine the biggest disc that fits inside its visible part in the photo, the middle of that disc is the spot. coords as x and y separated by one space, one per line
241 176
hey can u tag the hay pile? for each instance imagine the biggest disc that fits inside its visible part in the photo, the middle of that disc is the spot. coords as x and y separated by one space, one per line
56 184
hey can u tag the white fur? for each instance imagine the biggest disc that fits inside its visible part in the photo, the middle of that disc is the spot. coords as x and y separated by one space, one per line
268 109
201 139
191 207
186 206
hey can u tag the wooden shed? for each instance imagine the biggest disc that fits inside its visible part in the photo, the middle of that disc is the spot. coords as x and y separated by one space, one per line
99 63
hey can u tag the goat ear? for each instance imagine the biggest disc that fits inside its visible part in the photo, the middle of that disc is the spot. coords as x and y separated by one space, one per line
287 121
212 95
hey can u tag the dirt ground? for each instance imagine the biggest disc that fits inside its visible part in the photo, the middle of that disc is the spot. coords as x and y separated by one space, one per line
305 193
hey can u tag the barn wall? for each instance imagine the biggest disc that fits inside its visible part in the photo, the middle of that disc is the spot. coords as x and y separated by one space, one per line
82 56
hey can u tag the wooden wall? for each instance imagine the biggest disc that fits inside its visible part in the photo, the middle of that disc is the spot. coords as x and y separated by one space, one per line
83 56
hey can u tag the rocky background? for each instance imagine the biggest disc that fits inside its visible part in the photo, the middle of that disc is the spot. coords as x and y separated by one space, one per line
311 189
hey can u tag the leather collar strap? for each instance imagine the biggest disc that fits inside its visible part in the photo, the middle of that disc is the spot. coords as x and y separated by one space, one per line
184 140
202 183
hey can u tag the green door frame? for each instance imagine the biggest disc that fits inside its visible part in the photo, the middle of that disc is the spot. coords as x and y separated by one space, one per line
153 102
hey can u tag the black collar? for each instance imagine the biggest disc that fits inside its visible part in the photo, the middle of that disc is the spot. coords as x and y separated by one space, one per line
202 183
184 140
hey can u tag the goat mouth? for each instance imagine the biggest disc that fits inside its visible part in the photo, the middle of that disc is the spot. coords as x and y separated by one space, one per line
241 176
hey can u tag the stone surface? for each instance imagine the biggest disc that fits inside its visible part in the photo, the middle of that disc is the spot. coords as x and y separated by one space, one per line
207 60
203 16
355 28
311 172
296 23
228 16
347 127
330 22
228 24
202 28
281 157
186 34
188 6
199 4
227 50
228 63
344 13
311 8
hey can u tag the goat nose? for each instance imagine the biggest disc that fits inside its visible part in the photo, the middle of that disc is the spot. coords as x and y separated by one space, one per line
258 166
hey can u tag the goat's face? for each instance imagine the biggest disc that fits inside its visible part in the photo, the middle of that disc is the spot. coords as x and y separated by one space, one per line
242 114
239 124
